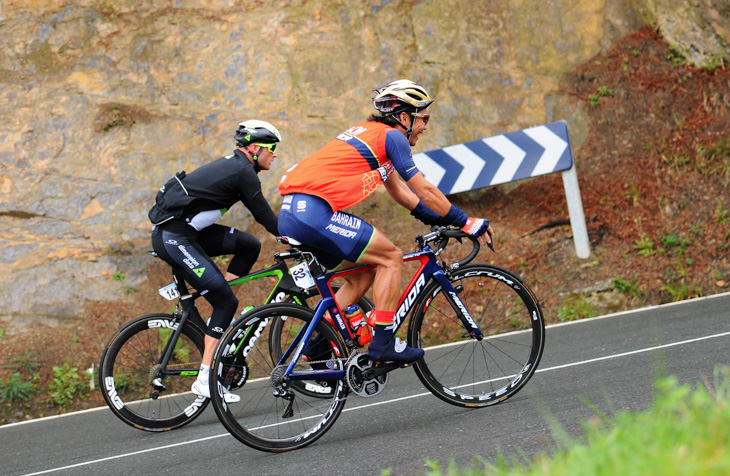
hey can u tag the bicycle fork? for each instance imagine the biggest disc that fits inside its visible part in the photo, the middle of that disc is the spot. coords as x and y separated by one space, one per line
452 296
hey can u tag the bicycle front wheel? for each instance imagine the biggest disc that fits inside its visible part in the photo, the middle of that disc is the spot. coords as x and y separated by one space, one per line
462 370
271 416
130 364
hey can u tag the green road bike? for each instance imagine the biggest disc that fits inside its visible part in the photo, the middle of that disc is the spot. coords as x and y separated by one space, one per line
150 363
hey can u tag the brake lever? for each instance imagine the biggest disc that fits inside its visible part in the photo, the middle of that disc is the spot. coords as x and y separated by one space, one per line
491 242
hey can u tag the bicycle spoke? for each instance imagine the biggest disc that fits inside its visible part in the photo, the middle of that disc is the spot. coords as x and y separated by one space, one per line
467 372
274 413
128 366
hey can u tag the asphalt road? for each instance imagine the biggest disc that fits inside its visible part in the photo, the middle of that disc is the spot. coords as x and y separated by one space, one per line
610 362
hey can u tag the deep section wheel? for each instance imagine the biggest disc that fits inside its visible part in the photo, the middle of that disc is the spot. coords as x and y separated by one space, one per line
134 386
462 370
272 414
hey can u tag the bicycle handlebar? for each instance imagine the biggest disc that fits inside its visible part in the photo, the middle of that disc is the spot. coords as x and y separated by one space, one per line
441 235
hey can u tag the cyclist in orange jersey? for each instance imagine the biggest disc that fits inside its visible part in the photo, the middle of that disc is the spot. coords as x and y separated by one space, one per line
344 172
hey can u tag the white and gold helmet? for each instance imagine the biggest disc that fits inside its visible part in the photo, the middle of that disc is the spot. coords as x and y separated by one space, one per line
401 95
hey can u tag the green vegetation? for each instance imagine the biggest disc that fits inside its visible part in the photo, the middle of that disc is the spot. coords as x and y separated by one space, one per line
19 386
576 307
644 246
684 432
605 91
724 246
26 363
15 388
720 213
682 291
67 384
675 56
626 287
675 242
711 160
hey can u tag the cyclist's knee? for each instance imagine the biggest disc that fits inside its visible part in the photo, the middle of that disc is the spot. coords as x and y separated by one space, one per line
224 309
394 258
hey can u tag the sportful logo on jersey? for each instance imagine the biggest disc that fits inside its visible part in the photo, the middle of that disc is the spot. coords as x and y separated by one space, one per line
199 272
499 159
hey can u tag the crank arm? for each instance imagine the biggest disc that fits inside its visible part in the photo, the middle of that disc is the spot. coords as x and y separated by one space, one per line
381 369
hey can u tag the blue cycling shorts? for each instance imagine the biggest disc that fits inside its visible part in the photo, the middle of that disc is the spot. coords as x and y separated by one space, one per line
336 236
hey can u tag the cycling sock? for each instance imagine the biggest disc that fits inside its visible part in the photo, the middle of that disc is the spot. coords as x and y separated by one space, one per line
204 373
382 317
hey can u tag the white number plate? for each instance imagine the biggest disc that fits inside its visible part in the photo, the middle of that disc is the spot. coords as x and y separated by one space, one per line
170 292
302 276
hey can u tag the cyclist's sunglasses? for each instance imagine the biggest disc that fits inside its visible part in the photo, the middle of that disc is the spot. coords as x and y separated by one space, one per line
425 117
271 147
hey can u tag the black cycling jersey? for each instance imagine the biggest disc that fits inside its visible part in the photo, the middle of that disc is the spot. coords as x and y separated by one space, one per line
214 186
185 235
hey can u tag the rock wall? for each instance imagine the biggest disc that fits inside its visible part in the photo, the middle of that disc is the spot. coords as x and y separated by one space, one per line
700 30
102 101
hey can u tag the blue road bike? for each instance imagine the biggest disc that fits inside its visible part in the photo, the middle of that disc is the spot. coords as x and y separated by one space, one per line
481 327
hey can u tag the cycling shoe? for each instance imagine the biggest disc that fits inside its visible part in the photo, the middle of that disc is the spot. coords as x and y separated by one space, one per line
394 350
203 390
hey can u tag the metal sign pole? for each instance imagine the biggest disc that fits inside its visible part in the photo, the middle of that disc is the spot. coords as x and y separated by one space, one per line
575 210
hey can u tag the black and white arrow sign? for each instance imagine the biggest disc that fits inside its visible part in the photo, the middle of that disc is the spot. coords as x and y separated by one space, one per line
499 159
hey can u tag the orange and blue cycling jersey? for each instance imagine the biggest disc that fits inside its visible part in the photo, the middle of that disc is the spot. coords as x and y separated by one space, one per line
352 166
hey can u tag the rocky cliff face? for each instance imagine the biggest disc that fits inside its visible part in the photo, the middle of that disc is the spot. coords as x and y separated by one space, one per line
101 102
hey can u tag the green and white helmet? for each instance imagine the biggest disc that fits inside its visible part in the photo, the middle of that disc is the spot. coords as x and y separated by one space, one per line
256 132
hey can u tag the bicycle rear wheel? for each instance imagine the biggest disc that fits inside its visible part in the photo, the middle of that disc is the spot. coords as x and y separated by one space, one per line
129 364
271 416
462 370
319 389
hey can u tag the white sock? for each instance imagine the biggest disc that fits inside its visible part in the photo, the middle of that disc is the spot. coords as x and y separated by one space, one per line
203 373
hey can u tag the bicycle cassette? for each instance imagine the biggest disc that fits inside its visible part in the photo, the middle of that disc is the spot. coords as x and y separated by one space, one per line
356 377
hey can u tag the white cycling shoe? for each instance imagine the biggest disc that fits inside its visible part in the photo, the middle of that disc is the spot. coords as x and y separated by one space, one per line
203 390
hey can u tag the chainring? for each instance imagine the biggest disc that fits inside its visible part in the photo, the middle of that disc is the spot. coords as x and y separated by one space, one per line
357 383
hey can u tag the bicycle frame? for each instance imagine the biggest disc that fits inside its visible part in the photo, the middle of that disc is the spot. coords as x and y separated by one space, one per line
285 286
428 269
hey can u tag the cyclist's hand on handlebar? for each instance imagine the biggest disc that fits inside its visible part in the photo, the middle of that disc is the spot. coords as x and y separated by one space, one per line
479 228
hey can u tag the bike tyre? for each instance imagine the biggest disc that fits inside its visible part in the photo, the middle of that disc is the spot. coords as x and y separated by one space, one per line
127 363
458 368
257 420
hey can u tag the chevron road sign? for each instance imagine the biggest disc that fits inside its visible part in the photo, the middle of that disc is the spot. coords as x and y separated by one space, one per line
500 159
506 158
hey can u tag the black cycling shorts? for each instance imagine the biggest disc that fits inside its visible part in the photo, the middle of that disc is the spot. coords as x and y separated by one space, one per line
189 254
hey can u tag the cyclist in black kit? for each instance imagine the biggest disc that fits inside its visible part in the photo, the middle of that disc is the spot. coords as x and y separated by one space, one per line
185 234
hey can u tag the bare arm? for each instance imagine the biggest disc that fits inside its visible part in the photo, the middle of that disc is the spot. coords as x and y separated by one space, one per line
400 192
429 194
